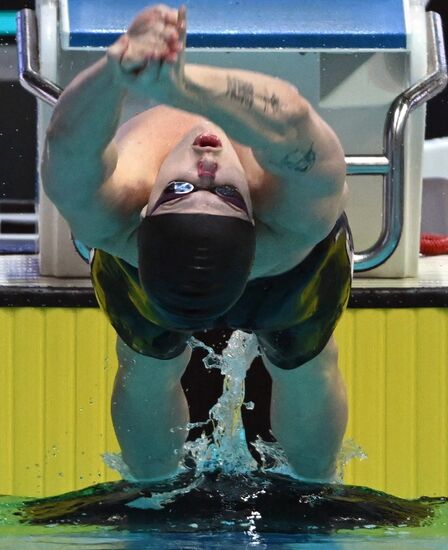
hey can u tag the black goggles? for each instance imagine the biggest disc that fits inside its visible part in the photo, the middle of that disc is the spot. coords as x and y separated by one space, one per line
176 189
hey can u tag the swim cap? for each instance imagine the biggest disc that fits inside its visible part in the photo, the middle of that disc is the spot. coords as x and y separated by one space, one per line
194 267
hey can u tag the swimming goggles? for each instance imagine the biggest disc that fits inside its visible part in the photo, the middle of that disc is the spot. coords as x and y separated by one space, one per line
175 189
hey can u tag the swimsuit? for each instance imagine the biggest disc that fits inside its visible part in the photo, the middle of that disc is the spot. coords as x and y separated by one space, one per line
293 314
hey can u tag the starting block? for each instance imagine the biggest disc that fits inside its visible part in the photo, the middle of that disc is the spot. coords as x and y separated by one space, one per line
364 66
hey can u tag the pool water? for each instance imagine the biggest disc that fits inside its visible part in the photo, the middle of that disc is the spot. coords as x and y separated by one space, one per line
258 510
222 541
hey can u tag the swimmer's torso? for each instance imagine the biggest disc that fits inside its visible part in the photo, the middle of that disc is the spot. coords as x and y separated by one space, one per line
144 141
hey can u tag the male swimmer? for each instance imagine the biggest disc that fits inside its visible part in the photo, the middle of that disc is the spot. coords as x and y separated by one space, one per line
221 207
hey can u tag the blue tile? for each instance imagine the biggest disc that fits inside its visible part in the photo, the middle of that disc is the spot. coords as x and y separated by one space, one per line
310 24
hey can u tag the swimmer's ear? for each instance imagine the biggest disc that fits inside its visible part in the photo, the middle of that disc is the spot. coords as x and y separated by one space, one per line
143 212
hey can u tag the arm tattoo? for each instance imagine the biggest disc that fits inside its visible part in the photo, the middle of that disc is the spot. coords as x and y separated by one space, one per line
299 162
243 92
273 102
240 91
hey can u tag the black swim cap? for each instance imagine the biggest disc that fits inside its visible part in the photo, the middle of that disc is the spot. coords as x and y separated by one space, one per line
194 267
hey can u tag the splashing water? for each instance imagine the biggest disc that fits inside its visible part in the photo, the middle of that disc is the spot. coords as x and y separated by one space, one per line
225 450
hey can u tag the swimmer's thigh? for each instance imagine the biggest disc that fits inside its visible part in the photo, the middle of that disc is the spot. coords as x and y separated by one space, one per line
292 347
148 409
148 339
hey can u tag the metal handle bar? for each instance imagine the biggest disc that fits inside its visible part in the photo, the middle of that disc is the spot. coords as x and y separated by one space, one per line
28 60
390 165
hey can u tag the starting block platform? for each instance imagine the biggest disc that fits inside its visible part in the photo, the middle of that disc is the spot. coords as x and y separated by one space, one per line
351 59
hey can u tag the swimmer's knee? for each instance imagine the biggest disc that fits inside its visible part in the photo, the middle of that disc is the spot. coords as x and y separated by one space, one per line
136 370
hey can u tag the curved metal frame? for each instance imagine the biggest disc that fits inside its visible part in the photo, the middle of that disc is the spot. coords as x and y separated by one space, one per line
390 165
28 60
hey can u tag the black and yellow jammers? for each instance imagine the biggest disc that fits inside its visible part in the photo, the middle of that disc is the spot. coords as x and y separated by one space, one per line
292 314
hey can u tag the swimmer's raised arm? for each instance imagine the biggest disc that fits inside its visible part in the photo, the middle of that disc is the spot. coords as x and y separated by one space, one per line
76 157
287 136
265 113
80 154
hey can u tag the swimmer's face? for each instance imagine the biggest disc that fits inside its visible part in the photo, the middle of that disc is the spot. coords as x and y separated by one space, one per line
206 158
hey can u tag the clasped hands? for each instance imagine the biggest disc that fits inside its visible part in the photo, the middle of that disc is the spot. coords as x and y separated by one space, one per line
150 55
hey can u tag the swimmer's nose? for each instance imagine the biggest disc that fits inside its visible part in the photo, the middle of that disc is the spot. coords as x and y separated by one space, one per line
207 168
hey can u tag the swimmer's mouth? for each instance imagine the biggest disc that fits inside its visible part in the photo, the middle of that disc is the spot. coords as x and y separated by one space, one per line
207 140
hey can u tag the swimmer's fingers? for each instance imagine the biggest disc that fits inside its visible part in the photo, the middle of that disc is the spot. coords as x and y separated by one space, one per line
152 36
139 54
182 32
152 16
118 49
160 43
181 25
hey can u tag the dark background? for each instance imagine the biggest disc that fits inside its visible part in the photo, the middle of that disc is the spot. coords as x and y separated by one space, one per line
437 113
16 4
17 181
17 127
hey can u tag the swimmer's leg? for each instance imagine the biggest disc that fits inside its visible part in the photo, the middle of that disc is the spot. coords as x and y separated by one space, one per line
309 413
147 403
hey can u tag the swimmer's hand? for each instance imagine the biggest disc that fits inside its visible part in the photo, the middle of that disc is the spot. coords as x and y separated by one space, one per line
150 55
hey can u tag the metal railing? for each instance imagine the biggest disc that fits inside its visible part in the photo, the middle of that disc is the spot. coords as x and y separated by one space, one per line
390 165
28 60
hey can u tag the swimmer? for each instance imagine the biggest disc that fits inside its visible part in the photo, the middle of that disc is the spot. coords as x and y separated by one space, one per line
221 207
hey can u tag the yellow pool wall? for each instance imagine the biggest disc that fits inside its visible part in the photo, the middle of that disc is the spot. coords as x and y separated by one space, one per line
57 367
